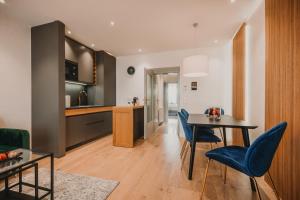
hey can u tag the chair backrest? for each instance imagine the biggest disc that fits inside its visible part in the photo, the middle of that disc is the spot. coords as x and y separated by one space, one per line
260 154
186 128
207 111
185 113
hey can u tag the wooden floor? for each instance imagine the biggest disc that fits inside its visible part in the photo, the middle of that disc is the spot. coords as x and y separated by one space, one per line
152 169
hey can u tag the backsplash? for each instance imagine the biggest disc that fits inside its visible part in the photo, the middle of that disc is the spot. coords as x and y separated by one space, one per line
73 90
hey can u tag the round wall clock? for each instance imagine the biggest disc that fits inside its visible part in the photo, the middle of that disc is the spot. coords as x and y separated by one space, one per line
130 70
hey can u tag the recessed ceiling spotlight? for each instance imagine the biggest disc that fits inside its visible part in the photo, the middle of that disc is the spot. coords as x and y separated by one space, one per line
93 45
232 1
112 23
2 1
216 41
69 32
140 50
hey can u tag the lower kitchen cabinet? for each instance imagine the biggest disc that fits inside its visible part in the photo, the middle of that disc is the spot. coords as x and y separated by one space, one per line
84 128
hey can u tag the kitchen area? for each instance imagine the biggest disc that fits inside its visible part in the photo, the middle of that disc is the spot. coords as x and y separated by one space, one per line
74 94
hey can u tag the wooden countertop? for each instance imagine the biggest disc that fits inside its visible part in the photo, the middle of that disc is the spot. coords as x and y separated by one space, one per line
130 106
83 111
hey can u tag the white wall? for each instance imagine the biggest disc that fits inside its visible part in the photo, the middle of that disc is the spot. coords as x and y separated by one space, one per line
215 89
15 74
255 69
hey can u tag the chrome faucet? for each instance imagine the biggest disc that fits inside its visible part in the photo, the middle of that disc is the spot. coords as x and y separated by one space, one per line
79 97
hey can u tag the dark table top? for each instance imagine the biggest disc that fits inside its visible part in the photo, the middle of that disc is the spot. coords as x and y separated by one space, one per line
226 121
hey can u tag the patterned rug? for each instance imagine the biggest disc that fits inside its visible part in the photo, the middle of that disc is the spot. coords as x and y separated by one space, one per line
71 186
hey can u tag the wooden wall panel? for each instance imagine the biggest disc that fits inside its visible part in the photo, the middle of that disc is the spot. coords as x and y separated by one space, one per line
238 104
283 91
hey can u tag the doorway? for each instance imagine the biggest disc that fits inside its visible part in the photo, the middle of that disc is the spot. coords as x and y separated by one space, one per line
161 97
172 100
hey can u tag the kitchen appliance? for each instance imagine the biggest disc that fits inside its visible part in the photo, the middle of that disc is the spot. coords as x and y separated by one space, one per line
71 70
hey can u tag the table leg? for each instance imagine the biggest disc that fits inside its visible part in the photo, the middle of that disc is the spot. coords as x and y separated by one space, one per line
224 137
20 180
6 185
247 144
52 176
36 180
192 156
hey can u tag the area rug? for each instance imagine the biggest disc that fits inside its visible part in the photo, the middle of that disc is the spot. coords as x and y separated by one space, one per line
71 186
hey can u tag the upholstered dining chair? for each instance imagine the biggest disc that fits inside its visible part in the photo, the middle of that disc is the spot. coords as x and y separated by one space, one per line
185 114
204 135
253 161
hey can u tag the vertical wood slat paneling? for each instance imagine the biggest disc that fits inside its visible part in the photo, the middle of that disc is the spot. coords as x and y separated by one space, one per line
296 128
238 99
283 90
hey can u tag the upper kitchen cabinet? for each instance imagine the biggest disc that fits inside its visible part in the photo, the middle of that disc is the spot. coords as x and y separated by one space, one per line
81 56
104 92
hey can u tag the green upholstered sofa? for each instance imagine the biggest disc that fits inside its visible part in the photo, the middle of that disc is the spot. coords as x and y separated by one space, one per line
11 139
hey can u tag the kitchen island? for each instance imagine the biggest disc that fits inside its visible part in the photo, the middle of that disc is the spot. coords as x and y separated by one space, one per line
128 125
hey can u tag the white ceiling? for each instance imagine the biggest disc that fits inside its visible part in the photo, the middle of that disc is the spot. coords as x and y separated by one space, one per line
152 25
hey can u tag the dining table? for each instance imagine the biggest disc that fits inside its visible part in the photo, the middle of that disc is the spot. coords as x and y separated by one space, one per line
226 121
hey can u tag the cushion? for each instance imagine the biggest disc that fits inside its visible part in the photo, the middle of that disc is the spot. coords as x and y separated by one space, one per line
232 156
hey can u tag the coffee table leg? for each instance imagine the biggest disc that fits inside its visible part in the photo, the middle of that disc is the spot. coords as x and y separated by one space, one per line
52 176
6 185
20 180
247 144
36 180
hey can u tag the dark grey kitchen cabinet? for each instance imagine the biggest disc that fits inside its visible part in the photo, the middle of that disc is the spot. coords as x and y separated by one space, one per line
48 88
84 128
104 92
83 56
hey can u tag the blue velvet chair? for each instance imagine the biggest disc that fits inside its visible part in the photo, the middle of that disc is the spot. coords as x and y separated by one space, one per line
253 161
202 135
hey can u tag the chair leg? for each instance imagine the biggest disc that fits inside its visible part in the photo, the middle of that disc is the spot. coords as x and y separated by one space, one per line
273 185
211 146
256 187
225 174
204 181
183 148
184 155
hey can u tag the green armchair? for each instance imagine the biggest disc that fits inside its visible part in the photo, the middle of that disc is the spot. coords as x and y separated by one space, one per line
11 139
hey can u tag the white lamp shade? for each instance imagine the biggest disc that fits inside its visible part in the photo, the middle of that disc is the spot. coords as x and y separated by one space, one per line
195 66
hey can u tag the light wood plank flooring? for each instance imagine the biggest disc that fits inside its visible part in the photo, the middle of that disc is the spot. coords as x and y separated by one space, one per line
152 170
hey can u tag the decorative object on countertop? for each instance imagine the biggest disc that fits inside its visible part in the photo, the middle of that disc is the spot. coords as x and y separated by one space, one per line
72 186
214 113
135 101
130 70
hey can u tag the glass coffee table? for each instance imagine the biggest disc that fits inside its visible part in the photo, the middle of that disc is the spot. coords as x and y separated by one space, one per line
27 160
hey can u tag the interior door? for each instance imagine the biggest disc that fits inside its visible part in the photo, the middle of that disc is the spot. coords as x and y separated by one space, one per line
149 104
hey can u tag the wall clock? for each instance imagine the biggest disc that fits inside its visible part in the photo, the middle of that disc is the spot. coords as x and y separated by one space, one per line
130 70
